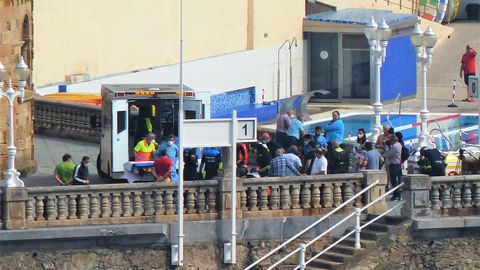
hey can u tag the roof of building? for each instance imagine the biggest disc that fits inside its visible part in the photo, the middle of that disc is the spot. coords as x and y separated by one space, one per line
362 16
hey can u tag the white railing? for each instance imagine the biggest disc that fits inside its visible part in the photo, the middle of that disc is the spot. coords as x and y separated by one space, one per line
309 228
399 100
357 213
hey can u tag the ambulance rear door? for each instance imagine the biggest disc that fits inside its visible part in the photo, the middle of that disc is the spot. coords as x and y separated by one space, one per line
119 134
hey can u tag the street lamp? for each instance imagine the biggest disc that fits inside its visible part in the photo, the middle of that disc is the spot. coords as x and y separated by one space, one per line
377 36
21 74
278 73
424 43
293 42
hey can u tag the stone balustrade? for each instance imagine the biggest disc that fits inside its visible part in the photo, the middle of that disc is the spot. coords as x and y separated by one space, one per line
118 203
306 195
36 207
455 192
427 196
67 120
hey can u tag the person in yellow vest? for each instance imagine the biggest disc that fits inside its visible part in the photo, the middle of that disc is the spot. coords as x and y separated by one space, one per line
145 148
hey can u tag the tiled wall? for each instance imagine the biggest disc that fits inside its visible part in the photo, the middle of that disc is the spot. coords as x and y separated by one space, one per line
225 102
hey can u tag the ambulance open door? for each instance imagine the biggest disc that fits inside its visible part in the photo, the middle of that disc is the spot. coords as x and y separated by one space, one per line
119 134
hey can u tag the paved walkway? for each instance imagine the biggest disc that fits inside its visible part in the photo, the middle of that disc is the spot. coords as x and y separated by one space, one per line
49 152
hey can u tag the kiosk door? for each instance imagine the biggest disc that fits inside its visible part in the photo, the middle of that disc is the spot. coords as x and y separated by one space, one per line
193 109
119 134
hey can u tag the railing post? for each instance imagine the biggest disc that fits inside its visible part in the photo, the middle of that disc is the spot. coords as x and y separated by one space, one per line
358 214
416 193
302 257
13 208
377 191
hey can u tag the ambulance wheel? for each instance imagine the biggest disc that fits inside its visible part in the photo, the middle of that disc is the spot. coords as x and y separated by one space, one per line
99 168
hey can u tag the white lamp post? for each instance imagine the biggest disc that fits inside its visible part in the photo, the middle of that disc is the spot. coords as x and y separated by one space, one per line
377 36
278 73
11 175
424 43
293 42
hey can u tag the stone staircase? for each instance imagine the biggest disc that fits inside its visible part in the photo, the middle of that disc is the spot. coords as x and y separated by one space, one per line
345 256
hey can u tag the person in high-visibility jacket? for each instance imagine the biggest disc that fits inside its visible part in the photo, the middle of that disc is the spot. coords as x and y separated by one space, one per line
145 148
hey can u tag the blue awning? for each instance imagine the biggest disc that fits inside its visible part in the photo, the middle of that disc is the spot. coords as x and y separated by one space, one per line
361 17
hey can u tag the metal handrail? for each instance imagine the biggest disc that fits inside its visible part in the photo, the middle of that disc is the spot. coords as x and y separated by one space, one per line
439 129
357 230
444 137
311 226
399 97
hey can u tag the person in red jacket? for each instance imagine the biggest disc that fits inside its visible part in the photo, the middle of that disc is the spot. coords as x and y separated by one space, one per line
468 67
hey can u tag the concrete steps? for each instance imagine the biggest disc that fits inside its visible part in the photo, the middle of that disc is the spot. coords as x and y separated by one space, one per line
345 256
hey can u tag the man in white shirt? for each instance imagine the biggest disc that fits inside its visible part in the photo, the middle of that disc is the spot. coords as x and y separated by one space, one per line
320 163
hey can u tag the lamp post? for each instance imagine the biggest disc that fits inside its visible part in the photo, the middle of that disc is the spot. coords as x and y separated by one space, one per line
11 175
293 42
377 36
278 73
424 43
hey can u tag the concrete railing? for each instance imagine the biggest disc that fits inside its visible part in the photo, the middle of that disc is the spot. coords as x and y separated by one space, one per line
37 207
306 195
441 196
67 120
120 203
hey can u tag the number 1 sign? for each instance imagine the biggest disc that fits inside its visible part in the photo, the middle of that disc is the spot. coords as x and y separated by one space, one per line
247 130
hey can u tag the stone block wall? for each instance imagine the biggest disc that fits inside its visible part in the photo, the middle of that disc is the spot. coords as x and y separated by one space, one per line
207 256
15 41
406 249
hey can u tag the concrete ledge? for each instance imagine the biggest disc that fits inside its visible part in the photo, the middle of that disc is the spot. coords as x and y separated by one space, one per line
446 222
84 232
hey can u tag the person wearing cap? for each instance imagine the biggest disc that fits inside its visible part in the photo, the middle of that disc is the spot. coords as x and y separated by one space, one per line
431 162
263 154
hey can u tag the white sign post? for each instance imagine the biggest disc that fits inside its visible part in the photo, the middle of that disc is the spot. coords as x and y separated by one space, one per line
223 133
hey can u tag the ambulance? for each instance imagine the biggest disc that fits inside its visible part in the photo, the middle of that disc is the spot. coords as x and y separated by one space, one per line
130 111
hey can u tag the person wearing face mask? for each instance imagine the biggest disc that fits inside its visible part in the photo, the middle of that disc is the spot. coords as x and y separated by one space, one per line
145 148
358 150
80 173
170 146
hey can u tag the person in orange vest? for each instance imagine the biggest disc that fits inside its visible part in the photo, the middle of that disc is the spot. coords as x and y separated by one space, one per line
242 154
145 148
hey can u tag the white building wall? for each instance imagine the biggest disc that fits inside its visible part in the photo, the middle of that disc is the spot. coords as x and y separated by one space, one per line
215 75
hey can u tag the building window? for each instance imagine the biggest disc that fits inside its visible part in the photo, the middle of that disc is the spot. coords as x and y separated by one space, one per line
356 67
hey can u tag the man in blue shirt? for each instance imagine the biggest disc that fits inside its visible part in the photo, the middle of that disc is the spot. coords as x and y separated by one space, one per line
319 138
170 146
336 129
295 131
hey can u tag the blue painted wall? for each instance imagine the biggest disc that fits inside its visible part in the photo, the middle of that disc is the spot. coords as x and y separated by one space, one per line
225 102
399 74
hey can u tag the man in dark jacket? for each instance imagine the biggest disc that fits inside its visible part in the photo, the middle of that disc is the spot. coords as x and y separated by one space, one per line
431 162
80 173
337 159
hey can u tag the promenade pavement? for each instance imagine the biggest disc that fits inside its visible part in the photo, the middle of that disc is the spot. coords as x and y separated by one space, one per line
444 69
49 151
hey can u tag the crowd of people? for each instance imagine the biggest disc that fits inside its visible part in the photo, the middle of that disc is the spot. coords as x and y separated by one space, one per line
293 152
